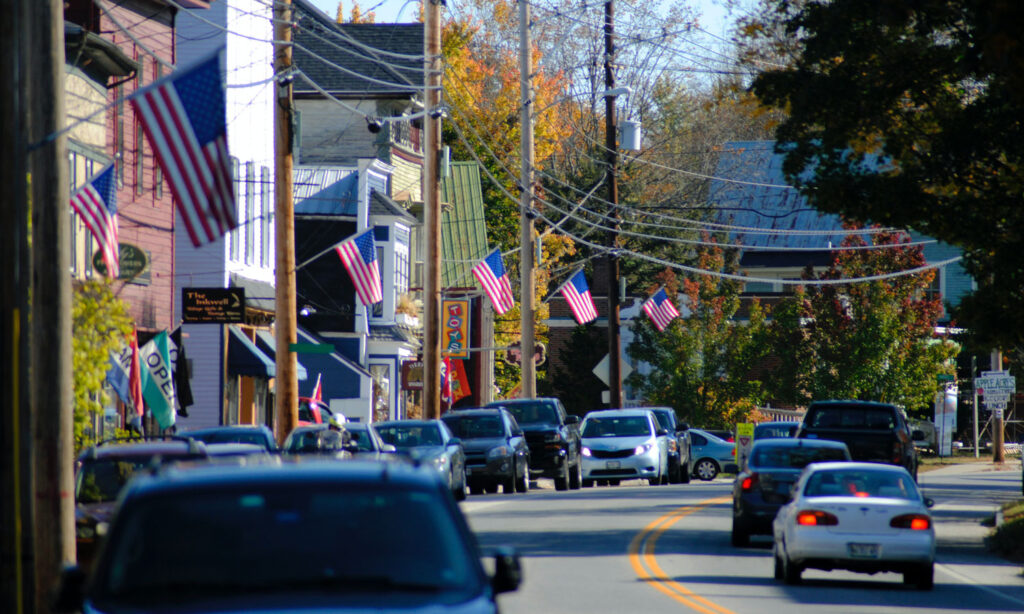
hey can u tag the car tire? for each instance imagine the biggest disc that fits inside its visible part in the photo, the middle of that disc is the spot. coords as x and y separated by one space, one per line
613 482
491 488
576 476
684 473
740 535
562 479
654 481
476 489
523 483
790 571
780 572
459 492
923 577
588 483
675 474
706 469
508 485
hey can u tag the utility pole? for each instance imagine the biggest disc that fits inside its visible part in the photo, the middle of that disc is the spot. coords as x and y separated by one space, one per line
50 383
614 342
17 558
998 454
286 385
432 209
974 404
528 389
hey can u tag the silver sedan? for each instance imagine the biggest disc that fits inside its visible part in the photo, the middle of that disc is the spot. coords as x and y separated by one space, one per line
862 517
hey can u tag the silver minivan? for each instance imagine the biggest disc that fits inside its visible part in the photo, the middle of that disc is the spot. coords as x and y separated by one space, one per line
623 444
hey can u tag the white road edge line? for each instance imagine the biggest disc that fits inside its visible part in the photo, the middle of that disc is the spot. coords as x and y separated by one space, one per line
972 583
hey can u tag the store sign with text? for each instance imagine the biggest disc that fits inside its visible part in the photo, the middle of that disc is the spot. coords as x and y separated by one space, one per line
455 328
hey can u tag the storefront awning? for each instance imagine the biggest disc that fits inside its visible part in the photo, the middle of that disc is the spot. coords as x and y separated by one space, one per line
244 358
268 344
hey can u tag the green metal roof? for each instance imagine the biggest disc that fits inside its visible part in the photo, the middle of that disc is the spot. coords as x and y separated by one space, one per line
463 231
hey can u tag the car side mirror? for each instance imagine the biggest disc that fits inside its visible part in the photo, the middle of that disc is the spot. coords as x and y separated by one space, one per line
508 572
917 435
571 419
683 426
388 448
929 502
454 441
71 592
661 432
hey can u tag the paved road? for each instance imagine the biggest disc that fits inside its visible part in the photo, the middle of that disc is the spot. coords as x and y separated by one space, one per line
639 548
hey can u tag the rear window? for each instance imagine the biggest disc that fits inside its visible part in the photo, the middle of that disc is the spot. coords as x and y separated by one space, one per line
796 457
878 418
533 413
475 427
861 483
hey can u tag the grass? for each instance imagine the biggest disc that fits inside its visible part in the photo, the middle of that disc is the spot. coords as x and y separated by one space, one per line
928 463
1008 538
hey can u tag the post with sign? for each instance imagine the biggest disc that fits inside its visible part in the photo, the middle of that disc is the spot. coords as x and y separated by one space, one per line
996 387
744 442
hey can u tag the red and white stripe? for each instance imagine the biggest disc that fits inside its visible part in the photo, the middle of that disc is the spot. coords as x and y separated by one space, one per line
89 205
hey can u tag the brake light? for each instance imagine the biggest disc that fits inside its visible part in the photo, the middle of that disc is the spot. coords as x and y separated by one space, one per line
816 518
749 482
914 522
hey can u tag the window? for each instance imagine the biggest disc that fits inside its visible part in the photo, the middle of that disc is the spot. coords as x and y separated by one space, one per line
72 167
158 175
377 309
249 221
381 376
234 236
139 158
267 229
759 287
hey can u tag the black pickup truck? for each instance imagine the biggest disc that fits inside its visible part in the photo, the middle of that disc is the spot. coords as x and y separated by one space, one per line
876 432
553 437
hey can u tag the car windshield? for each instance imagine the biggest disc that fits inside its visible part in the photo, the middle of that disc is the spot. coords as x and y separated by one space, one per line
794 457
862 483
475 427
879 418
232 436
410 436
368 538
101 479
773 431
314 440
533 413
362 438
622 426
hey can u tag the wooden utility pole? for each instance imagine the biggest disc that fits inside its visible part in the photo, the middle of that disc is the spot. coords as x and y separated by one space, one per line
286 384
614 341
51 393
432 209
528 389
17 559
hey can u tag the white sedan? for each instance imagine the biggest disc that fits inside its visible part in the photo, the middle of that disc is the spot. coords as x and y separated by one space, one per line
862 517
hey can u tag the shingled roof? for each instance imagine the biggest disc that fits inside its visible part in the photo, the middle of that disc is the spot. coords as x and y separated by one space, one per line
357 71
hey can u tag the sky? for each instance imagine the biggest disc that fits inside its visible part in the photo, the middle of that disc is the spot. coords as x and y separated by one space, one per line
714 17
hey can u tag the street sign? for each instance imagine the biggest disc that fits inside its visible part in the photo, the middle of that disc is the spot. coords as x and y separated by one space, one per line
312 348
601 370
945 377
744 442
216 305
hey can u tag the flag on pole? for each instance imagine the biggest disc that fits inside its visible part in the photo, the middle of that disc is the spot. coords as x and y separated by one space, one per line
359 255
490 272
96 203
660 309
577 294
157 379
181 372
183 116
318 392
118 374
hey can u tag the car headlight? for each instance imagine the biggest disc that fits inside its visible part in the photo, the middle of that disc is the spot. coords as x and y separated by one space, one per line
642 449
498 452
585 451
440 461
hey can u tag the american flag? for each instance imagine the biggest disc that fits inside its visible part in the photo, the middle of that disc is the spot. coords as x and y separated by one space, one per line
660 309
359 255
96 204
577 294
183 116
490 272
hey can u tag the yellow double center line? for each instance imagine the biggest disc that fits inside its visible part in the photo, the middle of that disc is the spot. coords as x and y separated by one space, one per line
641 556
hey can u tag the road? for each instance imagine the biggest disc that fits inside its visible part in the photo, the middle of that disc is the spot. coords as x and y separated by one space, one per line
638 548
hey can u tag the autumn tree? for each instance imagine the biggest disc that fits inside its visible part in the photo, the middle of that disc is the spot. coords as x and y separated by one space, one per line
701 363
871 340
908 114
100 322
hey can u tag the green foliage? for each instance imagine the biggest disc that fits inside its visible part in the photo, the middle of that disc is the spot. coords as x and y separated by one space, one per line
701 363
574 382
871 341
934 90
99 321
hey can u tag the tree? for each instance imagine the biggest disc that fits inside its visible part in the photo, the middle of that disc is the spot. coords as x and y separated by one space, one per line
870 340
701 363
908 114
99 322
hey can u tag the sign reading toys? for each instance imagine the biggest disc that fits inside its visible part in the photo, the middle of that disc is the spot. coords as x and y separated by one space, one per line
455 328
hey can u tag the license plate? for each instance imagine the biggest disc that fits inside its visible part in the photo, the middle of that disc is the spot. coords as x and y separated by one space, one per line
863 551
612 464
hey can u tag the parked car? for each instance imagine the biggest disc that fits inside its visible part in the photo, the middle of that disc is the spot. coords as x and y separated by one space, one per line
678 444
764 486
623 444
553 437
237 433
769 430
862 517
322 439
722 434
495 448
874 432
104 469
319 536
366 443
430 443
712 455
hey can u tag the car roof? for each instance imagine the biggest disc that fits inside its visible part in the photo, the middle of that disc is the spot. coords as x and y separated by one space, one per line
145 449
778 423
629 411
408 422
217 477
228 448
475 411
850 403
225 428
793 442
856 465
707 433
519 401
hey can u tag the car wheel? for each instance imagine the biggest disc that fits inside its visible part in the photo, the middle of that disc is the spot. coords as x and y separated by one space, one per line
508 485
706 469
923 577
562 479
523 484
476 489
684 473
654 481
740 536
588 483
675 473
459 491
614 482
576 476
790 571
491 488
780 572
